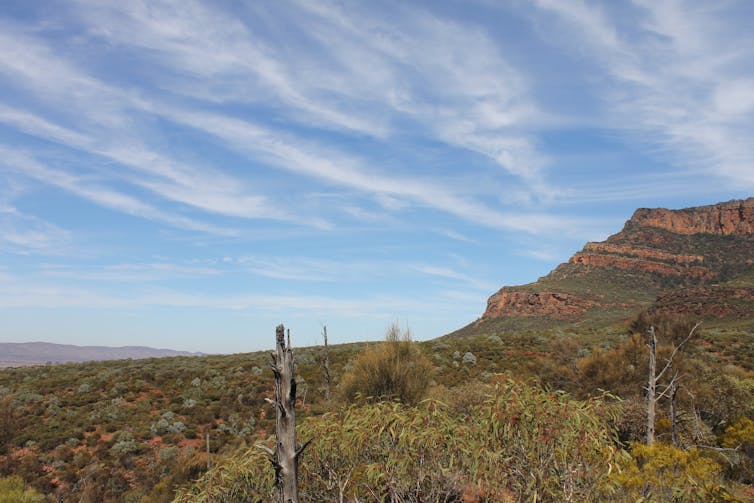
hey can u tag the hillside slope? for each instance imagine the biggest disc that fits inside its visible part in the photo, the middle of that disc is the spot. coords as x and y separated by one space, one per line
692 261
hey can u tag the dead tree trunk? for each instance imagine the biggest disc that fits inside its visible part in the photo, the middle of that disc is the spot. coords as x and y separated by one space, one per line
327 366
651 386
654 378
287 450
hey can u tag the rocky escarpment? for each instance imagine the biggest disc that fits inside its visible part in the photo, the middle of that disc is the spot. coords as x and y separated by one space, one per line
527 304
658 251
731 218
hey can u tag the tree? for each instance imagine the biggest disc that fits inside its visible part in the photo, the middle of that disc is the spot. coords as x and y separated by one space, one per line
396 369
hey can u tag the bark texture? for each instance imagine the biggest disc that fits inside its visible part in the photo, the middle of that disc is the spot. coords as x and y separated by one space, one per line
287 449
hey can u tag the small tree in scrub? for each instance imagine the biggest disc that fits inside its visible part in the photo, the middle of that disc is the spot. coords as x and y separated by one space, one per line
394 370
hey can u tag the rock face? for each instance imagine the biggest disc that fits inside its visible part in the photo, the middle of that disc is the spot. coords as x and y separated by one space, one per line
731 218
657 252
525 304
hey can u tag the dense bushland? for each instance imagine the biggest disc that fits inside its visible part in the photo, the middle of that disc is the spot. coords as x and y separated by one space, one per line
135 430
519 443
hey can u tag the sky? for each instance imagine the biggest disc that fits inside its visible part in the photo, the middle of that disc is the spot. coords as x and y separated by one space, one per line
189 174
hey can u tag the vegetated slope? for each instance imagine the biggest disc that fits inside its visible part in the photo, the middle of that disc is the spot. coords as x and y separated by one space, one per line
16 354
132 430
697 261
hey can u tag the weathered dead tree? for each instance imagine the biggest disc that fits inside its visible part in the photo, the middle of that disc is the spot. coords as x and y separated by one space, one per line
654 377
651 385
287 449
327 366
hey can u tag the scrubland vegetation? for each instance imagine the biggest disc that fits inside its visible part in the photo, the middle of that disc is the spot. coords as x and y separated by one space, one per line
549 415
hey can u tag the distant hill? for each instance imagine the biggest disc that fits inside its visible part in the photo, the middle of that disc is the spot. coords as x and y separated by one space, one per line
38 353
696 261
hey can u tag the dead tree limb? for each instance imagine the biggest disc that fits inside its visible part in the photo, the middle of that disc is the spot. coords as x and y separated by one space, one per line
651 385
327 366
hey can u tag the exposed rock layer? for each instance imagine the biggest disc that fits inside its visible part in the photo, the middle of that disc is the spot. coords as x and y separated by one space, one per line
526 304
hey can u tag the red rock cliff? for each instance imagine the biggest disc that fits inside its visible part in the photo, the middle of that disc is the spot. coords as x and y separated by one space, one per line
524 304
734 217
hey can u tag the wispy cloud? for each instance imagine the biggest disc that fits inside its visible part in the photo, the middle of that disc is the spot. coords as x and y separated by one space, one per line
19 292
291 154
681 79
25 165
218 192
348 67
128 272
22 233
449 273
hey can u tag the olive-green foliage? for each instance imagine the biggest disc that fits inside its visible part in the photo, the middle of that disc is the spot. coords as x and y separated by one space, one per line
547 446
521 443
396 369
663 473
12 490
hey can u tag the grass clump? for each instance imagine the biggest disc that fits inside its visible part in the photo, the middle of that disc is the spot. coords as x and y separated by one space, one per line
396 369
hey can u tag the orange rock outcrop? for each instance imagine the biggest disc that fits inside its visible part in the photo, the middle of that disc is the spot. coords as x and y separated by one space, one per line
650 253
643 265
521 303
732 218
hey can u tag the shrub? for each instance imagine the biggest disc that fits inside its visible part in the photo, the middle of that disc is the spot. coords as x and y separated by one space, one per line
12 490
740 437
520 444
662 473
394 370
545 446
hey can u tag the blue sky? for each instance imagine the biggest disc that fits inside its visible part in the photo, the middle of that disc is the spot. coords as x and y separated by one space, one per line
189 174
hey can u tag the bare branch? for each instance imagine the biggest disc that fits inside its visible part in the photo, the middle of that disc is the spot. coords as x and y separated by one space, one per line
676 349
302 447
266 449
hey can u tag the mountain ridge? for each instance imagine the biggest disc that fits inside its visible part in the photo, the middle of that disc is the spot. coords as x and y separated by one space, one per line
691 260
16 354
